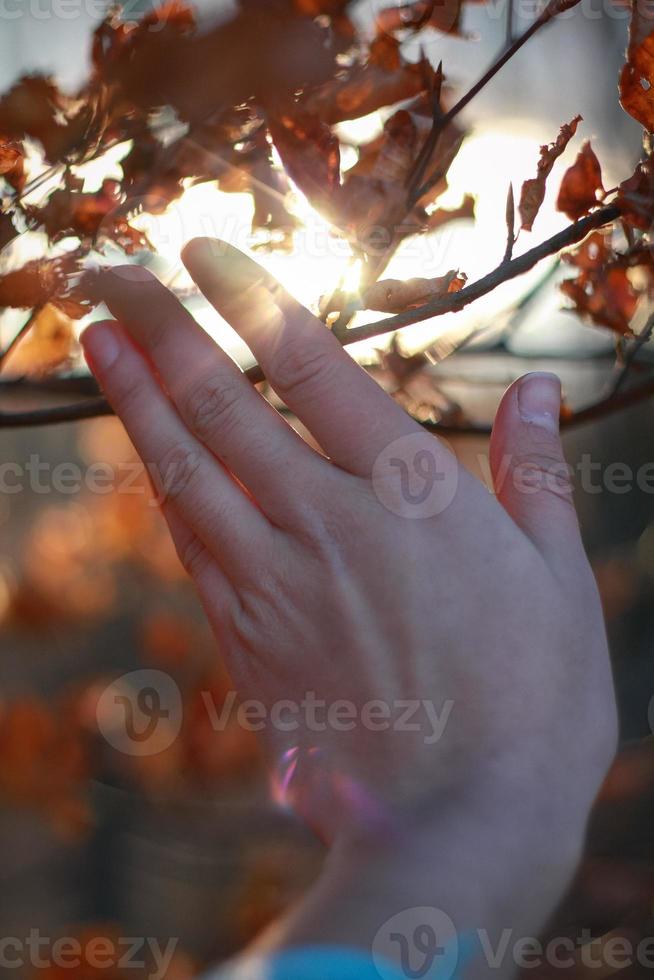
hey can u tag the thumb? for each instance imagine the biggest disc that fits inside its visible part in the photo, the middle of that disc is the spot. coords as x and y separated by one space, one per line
531 477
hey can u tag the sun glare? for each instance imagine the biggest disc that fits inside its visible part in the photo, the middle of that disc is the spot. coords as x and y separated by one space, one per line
320 260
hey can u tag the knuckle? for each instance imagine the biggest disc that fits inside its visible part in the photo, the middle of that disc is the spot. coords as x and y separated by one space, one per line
176 470
156 332
193 556
543 469
212 404
124 388
255 615
300 364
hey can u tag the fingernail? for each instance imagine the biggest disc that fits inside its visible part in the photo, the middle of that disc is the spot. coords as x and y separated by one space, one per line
101 345
539 400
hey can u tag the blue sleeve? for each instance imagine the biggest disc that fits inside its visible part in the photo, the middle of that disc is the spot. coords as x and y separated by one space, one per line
313 963
335 963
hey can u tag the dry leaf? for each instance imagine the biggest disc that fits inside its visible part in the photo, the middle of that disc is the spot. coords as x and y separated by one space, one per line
636 196
605 296
533 191
637 77
395 296
44 281
310 153
382 80
581 185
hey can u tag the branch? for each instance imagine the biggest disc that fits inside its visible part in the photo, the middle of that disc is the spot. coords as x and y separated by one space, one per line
643 338
90 409
453 302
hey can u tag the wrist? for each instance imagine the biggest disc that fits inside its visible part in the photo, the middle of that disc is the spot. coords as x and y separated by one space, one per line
476 864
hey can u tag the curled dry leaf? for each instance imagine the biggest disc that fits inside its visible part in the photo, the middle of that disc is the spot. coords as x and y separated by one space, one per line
533 191
394 295
637 77
581 185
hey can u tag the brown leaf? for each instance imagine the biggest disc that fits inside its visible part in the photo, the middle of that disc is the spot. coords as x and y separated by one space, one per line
115 38
581 184
533 191
310 153
636 196
395 296
593 253
637 76
94 217
35 107
382 80
606 297
372 205
265 50
44 281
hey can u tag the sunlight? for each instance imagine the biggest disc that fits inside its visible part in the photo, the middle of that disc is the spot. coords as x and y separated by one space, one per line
320 259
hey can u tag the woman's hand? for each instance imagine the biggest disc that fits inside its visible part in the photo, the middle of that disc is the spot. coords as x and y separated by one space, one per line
452 639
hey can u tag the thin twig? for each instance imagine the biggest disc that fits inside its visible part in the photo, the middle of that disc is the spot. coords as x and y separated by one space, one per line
643 338
421 163
446 118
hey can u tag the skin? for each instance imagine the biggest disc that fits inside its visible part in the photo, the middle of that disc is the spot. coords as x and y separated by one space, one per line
320 573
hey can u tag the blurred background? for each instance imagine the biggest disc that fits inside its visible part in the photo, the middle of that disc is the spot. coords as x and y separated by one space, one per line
185 844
